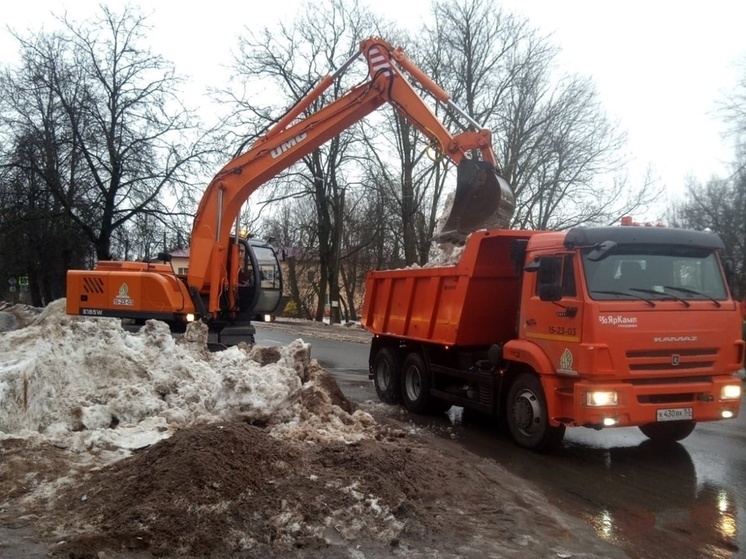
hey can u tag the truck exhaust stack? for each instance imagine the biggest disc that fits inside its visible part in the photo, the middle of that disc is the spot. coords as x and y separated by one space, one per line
483 200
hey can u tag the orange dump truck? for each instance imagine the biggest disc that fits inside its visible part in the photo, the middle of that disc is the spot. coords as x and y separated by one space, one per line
593 327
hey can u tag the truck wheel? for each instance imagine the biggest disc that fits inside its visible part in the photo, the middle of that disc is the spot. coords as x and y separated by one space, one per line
668 431
415 385
386 376
528 418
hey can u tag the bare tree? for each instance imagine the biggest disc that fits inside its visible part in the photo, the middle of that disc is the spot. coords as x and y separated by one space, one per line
733 111
720 203
290 59
720 206
33 219
556 144
365 239
557 148
292 228
115 136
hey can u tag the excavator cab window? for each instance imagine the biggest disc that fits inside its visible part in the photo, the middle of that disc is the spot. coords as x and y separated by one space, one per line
262 293
245 286
245 277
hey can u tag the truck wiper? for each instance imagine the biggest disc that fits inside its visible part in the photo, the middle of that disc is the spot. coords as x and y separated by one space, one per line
648 301
693 292
667 295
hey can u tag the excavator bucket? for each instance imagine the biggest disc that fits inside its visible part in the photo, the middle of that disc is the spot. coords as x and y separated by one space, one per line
483 200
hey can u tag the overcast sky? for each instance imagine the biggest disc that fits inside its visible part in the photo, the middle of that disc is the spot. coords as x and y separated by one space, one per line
660 66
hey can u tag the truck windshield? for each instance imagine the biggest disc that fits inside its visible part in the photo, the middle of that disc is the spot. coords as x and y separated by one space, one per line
655 272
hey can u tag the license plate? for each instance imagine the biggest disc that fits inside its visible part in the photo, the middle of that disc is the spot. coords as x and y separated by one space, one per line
674 414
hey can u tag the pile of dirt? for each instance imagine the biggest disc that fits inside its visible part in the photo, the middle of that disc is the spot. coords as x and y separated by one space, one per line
223 489
231 489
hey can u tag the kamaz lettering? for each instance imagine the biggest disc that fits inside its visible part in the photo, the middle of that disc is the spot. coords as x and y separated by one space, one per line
279 150
665 339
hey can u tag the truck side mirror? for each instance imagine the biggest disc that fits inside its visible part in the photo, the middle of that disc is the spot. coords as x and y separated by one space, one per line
729 269
549 280
550 270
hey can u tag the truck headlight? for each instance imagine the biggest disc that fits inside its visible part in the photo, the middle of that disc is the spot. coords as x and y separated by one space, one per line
601 398
190 317
730 392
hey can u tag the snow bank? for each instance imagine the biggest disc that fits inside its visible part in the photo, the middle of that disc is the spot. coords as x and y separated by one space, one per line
87 383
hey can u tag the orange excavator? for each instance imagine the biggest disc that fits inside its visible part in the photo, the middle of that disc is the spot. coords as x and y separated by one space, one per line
211 290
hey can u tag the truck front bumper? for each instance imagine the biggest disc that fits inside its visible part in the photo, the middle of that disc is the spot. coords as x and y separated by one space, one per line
637 402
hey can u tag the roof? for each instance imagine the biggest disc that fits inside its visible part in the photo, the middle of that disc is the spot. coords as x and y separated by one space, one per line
180 252
580 236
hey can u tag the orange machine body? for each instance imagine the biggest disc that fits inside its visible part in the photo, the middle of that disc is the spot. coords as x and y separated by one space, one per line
129 288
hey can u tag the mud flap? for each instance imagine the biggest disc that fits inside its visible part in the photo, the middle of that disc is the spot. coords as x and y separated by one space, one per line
483 200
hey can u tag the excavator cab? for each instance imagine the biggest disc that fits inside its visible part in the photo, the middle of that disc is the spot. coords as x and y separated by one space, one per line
259 287
257 294
483 200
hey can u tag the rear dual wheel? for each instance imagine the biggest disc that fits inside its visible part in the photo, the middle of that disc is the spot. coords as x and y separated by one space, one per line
415 384
415 388
386 376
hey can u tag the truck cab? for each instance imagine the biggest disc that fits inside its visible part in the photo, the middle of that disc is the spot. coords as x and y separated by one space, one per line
638 326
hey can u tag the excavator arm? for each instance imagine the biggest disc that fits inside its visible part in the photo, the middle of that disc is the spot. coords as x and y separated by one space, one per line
483 192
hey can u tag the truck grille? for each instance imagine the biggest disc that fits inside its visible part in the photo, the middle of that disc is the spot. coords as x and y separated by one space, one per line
656 360
689 389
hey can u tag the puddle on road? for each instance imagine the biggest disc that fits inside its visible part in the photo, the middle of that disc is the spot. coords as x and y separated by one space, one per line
642 497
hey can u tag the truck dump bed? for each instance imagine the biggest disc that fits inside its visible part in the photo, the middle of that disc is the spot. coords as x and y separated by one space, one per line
474 302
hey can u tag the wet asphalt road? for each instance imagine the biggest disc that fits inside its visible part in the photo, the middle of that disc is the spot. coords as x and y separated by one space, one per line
686 500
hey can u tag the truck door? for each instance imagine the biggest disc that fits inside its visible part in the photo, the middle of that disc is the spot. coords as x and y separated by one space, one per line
552 315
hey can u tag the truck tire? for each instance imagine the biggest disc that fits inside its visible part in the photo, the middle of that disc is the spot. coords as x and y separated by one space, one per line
528 417
668 431
415 385
386 376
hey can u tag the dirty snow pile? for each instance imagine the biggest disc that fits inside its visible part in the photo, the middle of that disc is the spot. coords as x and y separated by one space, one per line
86 383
